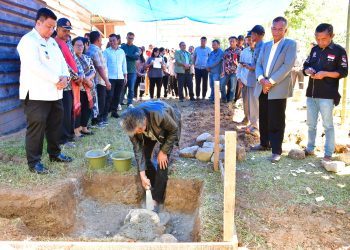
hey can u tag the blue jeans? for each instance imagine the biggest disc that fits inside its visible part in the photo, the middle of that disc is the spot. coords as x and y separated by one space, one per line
213 77
131 86
223 83
325 107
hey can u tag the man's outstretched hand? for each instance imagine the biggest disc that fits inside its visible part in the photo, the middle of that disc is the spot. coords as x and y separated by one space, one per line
162 160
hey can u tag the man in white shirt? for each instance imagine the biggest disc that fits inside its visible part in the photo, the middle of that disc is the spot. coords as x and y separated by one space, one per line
117 73
273 71
43 77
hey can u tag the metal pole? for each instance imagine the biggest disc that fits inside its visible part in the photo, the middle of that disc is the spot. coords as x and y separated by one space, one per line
343 109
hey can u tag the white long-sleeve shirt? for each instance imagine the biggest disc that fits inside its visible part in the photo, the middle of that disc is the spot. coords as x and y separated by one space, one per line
116 63
42 63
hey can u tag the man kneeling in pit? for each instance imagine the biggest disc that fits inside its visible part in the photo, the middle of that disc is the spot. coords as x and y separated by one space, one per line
147 124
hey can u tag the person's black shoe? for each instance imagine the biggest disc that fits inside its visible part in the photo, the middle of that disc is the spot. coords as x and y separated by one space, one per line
181 100
39 168
115 115
61 158
192 99
259 148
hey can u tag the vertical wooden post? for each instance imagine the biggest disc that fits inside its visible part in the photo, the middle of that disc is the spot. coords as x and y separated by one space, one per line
217 125
229 185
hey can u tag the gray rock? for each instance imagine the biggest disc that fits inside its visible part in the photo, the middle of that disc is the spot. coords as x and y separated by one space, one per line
203 137
135 215
164 218
189 152
221 157
333 166
345 158
241 154
166 238
204 154
222 139
211 145
296 154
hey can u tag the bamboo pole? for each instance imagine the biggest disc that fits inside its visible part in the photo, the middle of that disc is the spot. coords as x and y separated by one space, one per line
217 125
230 185
343 109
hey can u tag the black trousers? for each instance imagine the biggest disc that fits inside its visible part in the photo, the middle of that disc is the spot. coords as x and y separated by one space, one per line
238 94
139 79
201 75
114 95
67 128
165 82
173 88
83 118
155 82
157 176
272 122
44 118
102 107
185 80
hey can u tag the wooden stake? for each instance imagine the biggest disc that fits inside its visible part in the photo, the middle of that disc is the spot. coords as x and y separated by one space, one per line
229 185
217 125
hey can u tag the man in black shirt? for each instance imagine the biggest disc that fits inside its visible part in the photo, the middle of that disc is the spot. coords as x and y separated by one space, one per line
326 64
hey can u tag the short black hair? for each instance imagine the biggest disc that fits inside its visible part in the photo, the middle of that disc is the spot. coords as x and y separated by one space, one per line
78 38
94 36
161 49
233 37
181 43
203 38
114 35
324 27
45 13
280 19
130 34
216 41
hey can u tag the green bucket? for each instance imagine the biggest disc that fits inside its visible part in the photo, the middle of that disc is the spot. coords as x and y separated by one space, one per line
122 160
96 158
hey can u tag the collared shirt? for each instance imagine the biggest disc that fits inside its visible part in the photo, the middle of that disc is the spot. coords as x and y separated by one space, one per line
132 53
229 60
116 63
214 61
186 56
247 57
202 55
333 58
42 63
95 53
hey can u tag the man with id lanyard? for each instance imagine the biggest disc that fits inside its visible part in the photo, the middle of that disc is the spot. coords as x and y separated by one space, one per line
43 77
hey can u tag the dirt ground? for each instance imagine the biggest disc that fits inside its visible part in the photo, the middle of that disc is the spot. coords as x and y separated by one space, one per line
279 226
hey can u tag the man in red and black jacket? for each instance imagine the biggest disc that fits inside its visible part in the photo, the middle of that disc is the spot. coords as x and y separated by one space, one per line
326 64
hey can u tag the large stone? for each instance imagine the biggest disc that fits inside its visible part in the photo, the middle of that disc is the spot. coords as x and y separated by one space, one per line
241 154
164 218
166 238
296 154
221 157
135 215
333 166
204 154
189 152
203 137
212 145
345 158
222 139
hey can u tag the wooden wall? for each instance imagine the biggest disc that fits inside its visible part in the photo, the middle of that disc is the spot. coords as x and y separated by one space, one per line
16 19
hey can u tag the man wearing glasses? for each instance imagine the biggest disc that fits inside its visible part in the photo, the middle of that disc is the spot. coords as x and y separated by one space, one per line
132 53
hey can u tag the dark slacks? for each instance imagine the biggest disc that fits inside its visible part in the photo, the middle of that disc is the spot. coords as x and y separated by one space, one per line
44 118
139 79
102 107
155 82
67 128
272 122
173 88
157 176
83 118
201 76
165 82
185 80
113 98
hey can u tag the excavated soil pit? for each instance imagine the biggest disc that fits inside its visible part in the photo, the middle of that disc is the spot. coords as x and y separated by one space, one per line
94 207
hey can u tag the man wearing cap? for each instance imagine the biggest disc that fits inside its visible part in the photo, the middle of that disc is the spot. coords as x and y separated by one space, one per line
273 70
71 94
43 77
247 80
